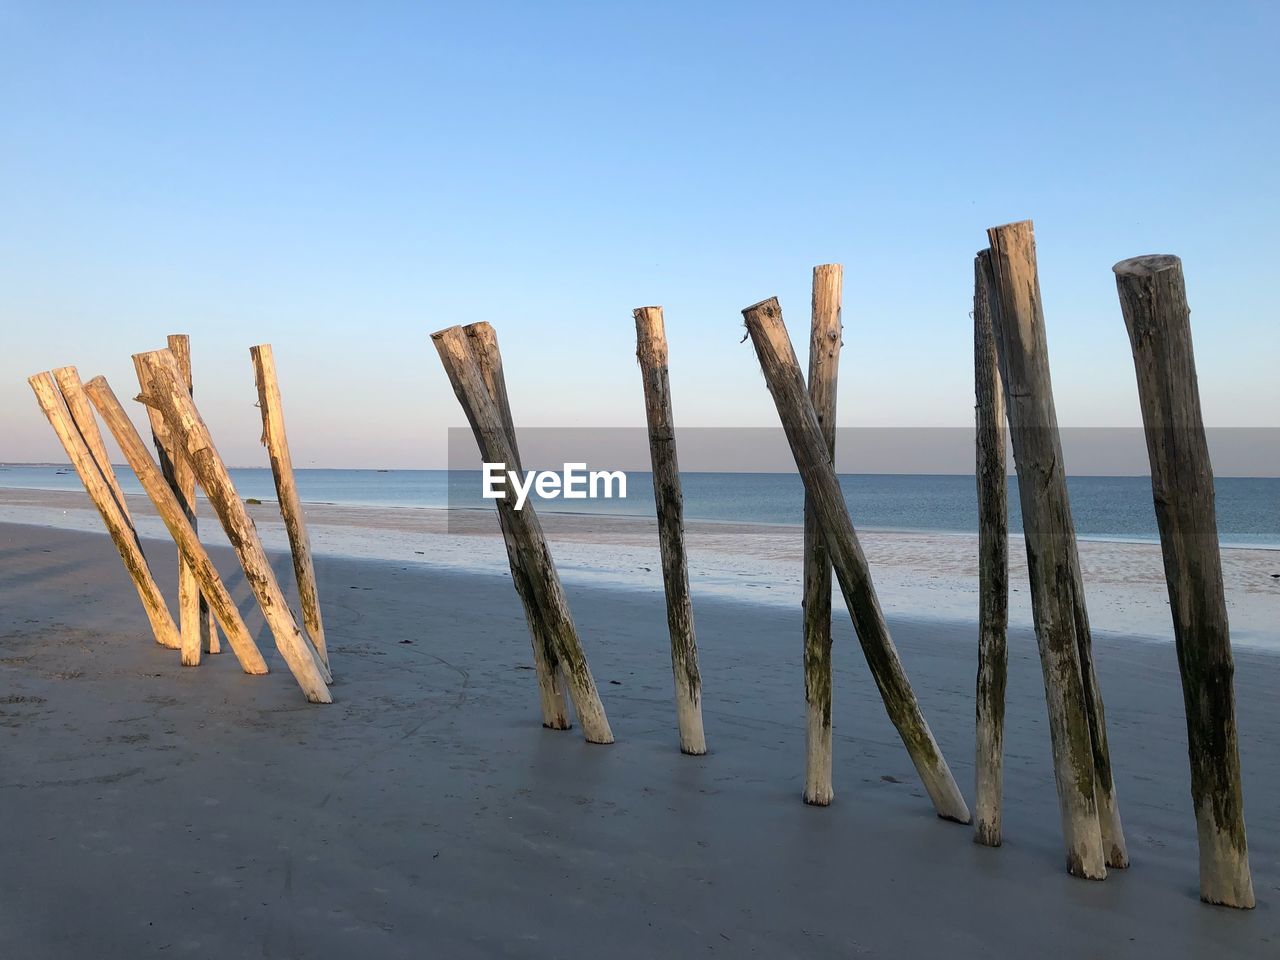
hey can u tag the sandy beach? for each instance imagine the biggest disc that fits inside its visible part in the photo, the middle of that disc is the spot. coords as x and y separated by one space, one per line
198 812
917 574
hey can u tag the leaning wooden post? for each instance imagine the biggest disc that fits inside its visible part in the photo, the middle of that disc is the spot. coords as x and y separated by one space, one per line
1050 540
197 618
483 341
122 533
824 365
174 514
295 523
651 351
993 560
182 482
808 446
166 392
1154 302
68 380
491 437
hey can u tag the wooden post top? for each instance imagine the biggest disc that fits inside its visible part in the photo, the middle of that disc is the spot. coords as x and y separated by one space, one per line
1147 265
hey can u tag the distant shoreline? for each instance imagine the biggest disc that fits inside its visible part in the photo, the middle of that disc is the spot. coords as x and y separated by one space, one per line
918 574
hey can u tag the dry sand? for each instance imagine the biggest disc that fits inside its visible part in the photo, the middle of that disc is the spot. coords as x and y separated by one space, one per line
155 810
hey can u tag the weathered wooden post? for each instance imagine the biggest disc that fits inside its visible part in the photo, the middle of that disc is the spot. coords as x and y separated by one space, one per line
295 523
491 437
167 393
194 607
173 513
809 447
1081 765
177 472
993 560
121 531
824 366
1154 302
651 352
483 341
68 380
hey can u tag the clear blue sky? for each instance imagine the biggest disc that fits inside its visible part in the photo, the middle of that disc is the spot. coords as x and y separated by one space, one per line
341 179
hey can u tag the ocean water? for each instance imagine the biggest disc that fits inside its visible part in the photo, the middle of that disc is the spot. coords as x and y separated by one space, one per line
1104 508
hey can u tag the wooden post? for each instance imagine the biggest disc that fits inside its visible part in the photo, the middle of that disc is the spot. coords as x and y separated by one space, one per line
181 480
1154 302
167 393
993 560
122 533
68 380
295 524
483 341
808 446
174 514
824 366
651 351
197 618
491 437
1050 540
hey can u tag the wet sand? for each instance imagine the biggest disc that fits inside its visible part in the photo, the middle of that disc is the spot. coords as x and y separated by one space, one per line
917 574
151 809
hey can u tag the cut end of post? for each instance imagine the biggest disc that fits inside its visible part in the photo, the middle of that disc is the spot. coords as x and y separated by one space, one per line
1147 266
441 334
651 336
769 307
1011 226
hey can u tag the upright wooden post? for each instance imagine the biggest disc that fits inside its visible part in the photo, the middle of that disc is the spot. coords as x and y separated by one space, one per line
167 393
295 523
181 480
198 627
1065 656
993 560
68 380
1153 300
483 341
491 437
808 446
121 531
651 351
173 513
824 366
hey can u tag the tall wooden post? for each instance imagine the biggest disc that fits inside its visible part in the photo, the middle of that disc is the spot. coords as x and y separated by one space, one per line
120 530
1154 302
491 437
295 523
993 560
651 352
181 480
1076 727
824 365
197 618
809 447
167 393
68 380
483 341
173 513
